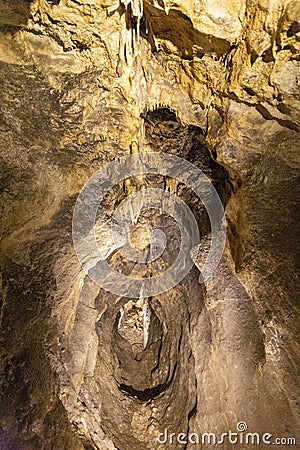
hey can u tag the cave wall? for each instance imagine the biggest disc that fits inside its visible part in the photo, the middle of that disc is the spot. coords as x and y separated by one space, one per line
216 83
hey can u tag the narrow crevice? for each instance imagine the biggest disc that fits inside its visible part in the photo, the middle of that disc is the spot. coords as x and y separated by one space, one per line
284 123
265 113
149 394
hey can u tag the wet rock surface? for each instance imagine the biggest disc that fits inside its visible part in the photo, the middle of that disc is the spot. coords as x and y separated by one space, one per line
216 84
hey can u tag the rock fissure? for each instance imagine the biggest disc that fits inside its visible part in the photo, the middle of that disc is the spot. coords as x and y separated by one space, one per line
83 84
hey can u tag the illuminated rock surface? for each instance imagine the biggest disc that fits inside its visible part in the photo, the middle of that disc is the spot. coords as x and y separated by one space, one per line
216 83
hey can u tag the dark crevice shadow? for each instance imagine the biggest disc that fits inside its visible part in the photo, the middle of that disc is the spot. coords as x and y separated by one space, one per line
149 394
14 13
177 28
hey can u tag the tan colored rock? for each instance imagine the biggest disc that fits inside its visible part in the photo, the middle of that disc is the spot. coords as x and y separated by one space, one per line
83 83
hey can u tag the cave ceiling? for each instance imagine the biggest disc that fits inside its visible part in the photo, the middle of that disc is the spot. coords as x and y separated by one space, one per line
119 324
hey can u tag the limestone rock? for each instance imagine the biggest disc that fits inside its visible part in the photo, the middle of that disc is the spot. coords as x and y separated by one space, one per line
84 83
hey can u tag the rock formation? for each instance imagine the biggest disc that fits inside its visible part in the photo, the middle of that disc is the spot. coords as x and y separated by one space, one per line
83 83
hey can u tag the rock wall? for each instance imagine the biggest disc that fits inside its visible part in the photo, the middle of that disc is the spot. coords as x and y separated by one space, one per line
86 82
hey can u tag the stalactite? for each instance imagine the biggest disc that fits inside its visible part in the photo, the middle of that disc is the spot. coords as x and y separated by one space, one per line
206 356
